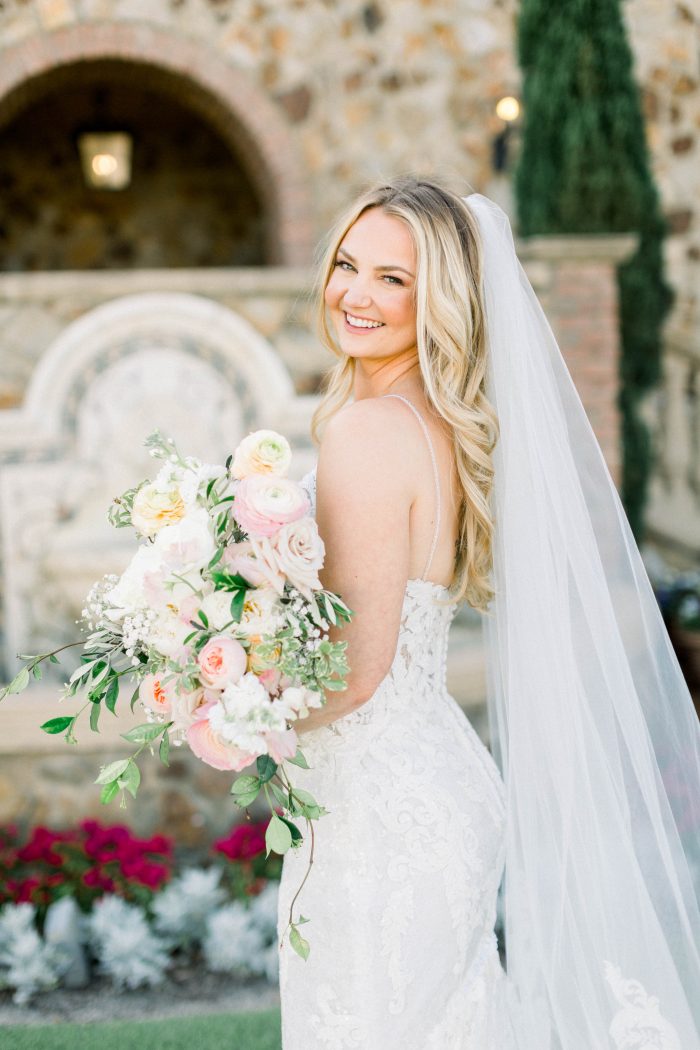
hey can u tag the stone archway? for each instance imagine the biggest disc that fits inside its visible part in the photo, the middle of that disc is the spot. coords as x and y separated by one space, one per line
243 115
179 362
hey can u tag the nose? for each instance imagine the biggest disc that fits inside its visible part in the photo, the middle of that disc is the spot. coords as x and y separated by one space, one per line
356 296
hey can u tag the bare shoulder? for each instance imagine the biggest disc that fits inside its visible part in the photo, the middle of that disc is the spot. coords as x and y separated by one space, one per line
369 427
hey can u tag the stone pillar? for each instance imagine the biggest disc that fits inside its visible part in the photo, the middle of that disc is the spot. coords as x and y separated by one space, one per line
575 280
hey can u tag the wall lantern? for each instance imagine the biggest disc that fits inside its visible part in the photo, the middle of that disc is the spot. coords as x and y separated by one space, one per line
508 110
105 157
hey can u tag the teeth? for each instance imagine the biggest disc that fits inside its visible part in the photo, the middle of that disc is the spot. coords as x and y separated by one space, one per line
360 322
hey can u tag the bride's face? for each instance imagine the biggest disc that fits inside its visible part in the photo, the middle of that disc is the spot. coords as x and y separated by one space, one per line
373 281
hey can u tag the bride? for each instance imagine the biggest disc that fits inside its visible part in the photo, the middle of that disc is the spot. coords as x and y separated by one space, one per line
456 464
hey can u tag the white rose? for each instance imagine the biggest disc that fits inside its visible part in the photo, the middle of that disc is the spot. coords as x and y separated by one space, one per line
197 478
298 700
262 452
261 613
168 477
189 544
300 552
217 609
167 632
135 589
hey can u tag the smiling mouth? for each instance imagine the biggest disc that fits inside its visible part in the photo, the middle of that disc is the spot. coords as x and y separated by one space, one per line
361 324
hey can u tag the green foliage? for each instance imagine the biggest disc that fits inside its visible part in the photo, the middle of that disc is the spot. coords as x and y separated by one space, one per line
300 946
245 790
119 512
299 759
584 168
267 767
278 836
124 775
57 725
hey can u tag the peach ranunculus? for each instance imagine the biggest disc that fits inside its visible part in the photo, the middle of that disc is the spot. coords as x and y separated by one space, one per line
154 507
262 452
256 663
264 503
157 695
300 552
221 661
211 748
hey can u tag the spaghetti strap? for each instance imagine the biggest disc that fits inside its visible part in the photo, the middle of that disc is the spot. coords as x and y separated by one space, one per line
435 476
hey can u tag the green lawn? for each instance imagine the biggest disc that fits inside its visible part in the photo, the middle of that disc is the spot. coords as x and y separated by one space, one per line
253 1031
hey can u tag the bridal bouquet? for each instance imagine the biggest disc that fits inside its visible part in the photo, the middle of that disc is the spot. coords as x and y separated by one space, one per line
220 624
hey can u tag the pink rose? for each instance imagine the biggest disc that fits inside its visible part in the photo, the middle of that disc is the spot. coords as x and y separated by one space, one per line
300 550
264 503
208 745
156 695
255 560
221 661
188 607
270 678
281 745
185 708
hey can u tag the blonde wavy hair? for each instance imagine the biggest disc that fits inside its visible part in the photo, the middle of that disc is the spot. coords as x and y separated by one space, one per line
452 352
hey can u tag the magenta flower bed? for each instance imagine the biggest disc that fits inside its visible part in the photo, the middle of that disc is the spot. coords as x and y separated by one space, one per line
242 851
84 862
94 859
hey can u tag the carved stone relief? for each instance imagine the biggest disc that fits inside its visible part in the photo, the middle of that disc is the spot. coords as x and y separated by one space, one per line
184 364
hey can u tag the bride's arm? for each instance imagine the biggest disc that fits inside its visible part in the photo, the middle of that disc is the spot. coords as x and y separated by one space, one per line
364 491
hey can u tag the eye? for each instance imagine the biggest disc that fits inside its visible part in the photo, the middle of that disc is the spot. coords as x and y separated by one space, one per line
342 262
389 277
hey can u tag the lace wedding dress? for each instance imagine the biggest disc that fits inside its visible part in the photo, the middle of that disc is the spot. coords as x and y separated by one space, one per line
407 863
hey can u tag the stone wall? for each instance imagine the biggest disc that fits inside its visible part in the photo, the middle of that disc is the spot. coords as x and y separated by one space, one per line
189 202
347 90
36 308
316 98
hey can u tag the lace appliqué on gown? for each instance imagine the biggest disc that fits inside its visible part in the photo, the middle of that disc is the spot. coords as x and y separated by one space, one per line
402 894
638 1024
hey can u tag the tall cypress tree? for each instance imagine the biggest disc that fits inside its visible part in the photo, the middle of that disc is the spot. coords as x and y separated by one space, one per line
584 168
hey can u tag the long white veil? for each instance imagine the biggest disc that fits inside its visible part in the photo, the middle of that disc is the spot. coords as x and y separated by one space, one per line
590 716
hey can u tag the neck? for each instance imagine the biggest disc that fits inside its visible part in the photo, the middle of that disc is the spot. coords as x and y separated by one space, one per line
393 375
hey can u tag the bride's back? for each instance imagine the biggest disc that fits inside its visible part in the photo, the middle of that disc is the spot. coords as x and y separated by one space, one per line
430 454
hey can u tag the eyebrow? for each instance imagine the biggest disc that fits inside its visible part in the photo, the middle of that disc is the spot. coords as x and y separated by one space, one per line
350 259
